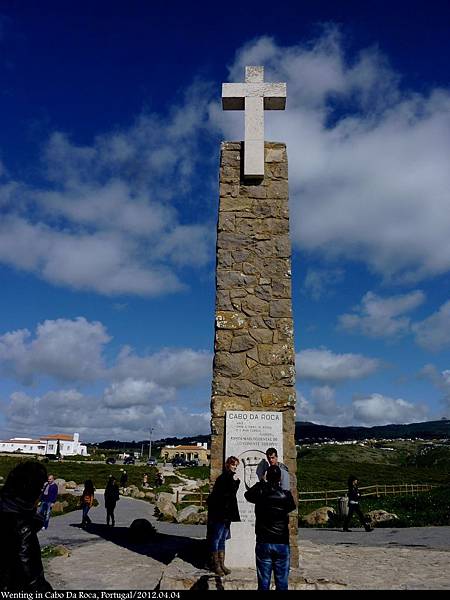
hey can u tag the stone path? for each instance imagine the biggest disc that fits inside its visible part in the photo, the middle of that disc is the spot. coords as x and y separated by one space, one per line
102 558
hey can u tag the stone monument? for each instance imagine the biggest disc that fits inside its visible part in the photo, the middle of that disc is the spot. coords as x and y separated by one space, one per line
253 393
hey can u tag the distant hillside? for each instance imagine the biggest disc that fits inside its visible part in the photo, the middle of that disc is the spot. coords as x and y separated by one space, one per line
313 432
427 430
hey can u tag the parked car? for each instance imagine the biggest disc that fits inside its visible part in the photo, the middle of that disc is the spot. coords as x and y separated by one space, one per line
110 460
179 462
129 460
151 462
192 463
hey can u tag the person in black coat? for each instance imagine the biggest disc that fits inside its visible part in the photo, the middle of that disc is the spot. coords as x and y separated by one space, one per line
272 507
20 553
222 510
353 505
111 497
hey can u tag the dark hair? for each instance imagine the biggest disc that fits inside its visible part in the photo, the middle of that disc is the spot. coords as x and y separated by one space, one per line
273 475
25 481
271 451
88 487
351 479
231 460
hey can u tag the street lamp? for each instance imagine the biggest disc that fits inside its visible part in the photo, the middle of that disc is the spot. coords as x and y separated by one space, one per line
150 442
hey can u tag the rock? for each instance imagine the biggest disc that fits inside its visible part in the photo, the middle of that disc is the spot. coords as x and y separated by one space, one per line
141 531
137 494
185 513
167 509
71 485
166 496
200 518
150 495
60 550
321 516
61 483
381 516
58 507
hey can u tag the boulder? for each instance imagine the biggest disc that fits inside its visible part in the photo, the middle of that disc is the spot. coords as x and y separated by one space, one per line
60 550
150 495
71 485
186 512
166 496
137 494
321 516
141 531
61 483
381 516
167 509
58 507
200 518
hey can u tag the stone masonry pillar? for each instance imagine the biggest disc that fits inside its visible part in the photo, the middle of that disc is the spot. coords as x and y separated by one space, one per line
254 359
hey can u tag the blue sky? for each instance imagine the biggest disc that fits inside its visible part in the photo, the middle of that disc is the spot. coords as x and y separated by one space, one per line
110 129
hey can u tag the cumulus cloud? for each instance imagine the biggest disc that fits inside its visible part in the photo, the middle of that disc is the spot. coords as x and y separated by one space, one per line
114 398
433 333
105 219
66 411
370 410
382 317
377 409
323 365
440 379
369 177
67 350
169 367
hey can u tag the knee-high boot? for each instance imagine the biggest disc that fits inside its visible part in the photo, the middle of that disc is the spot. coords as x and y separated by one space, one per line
225 569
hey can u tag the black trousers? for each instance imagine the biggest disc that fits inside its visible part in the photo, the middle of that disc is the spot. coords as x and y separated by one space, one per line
354 508
110 514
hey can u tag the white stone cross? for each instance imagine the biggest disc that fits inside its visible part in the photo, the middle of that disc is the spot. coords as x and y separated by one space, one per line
254 96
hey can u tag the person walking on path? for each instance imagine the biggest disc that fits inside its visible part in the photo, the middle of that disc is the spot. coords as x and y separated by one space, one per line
48 499
272 507
87 500
20 553
124 480
272 459
222 510
111 497
353 505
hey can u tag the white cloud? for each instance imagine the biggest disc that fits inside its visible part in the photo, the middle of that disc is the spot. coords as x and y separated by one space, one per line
367 411
322 365
377 409
382 317
66 411
106 219
440 379
369 177
135 392
68 350
168 367
433 333
320 282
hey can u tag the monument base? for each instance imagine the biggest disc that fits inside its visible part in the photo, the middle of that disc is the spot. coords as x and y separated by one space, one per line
240 549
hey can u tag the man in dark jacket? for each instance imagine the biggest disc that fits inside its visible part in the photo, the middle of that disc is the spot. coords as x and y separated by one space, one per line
272 507
20 554
48 499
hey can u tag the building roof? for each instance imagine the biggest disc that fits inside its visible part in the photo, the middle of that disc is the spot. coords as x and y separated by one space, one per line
62 436
185 447
21 441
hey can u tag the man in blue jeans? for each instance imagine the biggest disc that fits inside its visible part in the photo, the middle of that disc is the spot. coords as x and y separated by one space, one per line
48 498
272 507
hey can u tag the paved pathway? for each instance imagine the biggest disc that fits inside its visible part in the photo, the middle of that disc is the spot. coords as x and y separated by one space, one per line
103 558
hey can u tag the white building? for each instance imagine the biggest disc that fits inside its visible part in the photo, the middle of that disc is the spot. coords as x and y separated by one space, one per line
69 445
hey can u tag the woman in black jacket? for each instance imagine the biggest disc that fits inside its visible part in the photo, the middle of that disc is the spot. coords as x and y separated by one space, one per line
111 497
20 553
353 505
222 510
